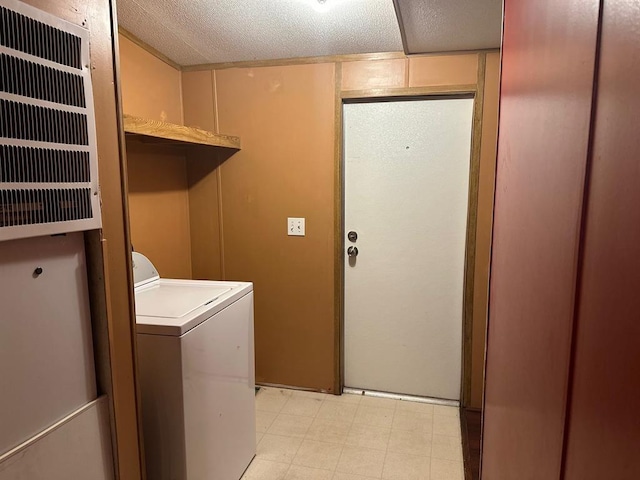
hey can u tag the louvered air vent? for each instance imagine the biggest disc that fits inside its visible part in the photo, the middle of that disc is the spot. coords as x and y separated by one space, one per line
48 156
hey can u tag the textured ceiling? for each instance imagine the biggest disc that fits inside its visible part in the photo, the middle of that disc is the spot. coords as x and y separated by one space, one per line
195 32
212 31
450 25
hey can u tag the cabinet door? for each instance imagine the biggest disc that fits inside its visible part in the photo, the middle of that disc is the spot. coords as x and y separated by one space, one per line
46 354
604 427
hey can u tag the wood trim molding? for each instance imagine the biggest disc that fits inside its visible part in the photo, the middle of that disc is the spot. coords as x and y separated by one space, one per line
409 92
470 438
464 437
145 46
296 61
218 173
338 238
472 409
356 57
472 224
126 313
97 276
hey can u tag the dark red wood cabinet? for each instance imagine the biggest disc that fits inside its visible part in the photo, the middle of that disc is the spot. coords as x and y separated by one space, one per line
563 348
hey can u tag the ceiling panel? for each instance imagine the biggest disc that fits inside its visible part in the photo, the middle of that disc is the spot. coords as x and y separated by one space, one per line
213 31
154 32
450 25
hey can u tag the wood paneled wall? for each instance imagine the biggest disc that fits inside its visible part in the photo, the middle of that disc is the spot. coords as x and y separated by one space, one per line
285 117
158 186
427 71
205 214
367 74
159 207
150 88
443 70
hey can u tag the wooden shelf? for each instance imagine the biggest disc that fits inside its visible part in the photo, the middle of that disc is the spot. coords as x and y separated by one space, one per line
177 134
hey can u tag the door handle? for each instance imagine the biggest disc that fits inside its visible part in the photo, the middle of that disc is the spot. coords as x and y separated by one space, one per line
352 251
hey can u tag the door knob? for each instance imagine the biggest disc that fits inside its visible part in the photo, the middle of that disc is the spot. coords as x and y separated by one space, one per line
352 236
352 251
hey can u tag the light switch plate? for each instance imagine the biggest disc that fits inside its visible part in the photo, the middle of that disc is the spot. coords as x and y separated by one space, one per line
295 227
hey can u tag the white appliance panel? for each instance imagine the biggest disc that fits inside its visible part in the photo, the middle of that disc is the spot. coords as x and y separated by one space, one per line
219 394
46 355
161 387
198 396
76 448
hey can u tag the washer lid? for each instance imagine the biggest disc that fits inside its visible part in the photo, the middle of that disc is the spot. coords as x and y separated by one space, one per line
174 307
175 300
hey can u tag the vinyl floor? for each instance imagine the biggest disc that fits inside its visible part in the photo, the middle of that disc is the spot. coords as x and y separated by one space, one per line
313 436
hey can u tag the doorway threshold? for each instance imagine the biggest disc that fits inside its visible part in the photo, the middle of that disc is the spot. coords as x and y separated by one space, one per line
400 396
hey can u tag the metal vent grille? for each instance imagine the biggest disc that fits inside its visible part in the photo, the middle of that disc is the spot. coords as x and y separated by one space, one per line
31 207
32 165
48 156
36 38
37 81
30 122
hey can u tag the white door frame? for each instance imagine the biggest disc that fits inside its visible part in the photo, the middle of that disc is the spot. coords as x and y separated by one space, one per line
476 92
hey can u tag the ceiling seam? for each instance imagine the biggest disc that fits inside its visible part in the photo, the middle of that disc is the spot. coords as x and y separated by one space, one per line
403 35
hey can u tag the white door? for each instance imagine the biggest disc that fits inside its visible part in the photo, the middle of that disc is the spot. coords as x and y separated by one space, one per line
406 194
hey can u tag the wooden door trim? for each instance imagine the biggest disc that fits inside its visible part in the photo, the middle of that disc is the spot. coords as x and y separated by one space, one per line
476 91
124 187
412 92
472 227
338 240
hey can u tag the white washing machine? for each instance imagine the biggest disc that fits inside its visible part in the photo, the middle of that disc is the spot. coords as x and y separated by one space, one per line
197 375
